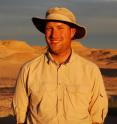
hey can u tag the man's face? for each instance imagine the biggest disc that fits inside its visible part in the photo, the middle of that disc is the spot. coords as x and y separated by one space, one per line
58 37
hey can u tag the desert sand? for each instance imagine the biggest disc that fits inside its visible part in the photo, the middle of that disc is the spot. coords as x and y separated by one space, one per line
13 54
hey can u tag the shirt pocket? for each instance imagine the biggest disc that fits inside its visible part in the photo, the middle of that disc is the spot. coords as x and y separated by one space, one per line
37 92
76 89
80 97
50 87
72 89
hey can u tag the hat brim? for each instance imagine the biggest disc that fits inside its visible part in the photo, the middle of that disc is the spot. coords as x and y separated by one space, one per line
41 23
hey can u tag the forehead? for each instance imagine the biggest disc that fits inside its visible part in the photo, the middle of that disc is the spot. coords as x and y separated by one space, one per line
55 23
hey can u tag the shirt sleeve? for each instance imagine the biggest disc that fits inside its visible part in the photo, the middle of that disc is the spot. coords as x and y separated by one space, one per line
98 106
20 99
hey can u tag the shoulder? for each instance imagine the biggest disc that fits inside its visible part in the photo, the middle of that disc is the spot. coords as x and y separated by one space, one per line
33 63
84 61
86 64
90 70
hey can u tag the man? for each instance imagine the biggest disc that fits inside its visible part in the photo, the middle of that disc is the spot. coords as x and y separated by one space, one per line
60 87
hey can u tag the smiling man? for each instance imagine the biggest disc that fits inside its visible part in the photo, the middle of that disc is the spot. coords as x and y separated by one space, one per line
58 37
60 87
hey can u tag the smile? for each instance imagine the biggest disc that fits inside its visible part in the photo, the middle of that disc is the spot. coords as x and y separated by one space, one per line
55 41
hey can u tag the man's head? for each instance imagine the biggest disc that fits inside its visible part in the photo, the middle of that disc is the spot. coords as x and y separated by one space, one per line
59 27
58 36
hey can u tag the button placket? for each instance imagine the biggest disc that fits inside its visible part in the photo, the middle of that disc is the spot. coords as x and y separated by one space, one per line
60 90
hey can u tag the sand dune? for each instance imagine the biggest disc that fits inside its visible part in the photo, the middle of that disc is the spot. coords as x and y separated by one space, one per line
13 54
17 46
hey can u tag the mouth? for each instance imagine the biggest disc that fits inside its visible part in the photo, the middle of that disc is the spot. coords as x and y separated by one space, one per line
55 41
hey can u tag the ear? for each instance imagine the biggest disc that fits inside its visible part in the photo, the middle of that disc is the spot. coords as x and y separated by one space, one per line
73 31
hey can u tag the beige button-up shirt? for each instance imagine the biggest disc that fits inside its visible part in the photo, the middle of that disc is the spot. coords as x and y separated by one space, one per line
71 93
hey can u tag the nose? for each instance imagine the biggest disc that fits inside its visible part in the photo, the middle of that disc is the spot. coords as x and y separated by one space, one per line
54 34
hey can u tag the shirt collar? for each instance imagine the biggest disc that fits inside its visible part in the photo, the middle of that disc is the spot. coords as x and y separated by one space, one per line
51 59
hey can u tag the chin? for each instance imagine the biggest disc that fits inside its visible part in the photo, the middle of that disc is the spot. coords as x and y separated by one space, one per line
53 51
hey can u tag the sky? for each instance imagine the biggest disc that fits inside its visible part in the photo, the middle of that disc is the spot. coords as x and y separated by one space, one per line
98 16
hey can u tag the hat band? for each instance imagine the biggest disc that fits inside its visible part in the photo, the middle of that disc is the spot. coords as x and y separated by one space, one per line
59 17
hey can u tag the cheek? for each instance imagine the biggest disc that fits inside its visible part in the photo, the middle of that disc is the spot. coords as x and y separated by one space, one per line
47 38
66 35
47 34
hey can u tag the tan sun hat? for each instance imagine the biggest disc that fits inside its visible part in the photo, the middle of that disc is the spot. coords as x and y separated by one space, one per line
62 15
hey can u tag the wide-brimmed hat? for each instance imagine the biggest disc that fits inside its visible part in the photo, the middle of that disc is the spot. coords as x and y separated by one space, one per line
62 15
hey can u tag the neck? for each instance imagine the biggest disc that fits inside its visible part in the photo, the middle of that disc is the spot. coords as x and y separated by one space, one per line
61 57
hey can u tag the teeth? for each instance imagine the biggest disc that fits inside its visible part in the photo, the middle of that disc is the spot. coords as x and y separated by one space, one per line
55 41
